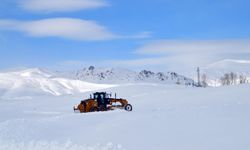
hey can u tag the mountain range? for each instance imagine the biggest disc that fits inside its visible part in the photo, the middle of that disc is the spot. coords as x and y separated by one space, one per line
37 81
120 75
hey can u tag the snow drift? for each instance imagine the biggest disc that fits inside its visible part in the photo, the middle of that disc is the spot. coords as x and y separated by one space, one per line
40 82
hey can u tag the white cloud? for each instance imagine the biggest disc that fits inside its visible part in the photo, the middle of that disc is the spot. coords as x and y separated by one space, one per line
68 28
181 56
195 46
184 56
45 6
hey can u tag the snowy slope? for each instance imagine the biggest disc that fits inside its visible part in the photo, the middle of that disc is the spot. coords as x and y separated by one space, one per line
241 66
39 82
217 70
120 75
164 118
36 81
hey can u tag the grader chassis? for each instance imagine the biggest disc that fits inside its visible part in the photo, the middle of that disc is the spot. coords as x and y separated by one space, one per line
101 101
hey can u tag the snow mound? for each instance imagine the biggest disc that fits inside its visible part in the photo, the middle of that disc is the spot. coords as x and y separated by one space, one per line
38 82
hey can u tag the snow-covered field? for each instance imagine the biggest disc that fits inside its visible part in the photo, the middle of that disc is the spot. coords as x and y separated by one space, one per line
165 117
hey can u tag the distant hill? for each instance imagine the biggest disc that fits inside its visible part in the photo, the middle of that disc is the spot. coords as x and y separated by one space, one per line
237 70
119 75
37 81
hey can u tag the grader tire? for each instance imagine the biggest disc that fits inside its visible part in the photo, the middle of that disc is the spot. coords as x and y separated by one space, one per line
94 109
128 107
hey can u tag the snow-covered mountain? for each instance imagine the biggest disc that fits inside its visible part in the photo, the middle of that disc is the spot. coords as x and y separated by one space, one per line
119 75
217 71
237 66
37 81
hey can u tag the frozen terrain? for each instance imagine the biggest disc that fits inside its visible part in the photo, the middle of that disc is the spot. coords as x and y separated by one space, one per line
35 81
165 117
214 72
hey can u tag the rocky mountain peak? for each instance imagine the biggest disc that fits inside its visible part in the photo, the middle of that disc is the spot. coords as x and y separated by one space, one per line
120 75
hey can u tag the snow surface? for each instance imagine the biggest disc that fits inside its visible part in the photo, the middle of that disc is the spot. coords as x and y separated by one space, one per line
165 117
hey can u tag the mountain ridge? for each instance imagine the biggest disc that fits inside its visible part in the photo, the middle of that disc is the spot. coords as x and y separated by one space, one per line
120 75
38 81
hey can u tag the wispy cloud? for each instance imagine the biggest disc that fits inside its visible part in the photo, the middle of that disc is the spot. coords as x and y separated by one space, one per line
140 35
47 6
186 55
195 46
68 28
178 55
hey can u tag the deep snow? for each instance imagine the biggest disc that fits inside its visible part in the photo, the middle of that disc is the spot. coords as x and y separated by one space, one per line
164 117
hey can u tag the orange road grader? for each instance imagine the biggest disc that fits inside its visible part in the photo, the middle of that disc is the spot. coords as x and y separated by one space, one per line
101 101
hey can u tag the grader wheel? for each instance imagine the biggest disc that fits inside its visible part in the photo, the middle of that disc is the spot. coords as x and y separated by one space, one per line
128 107
94 109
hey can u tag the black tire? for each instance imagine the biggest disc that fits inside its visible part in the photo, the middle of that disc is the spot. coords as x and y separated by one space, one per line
93 109
128 107
102 108
84 106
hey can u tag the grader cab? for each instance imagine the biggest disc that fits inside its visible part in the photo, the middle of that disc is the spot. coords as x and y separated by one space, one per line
101 101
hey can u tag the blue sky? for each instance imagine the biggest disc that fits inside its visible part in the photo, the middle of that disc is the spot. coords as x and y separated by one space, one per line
175 35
